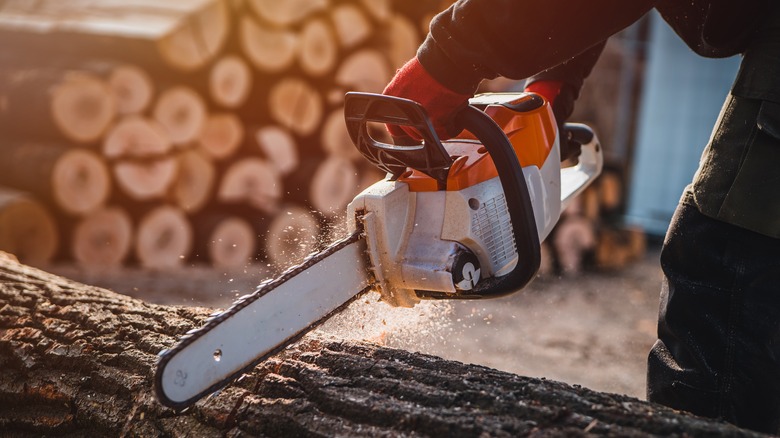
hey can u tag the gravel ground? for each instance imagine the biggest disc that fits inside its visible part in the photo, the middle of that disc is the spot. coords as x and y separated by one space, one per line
593 330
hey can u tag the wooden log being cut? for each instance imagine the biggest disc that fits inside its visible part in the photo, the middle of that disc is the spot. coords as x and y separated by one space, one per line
184 35
292 235
46 104
79 360
102 239
296 105
252 181
144 180
194 182
221 135
318 50
333 185
279 147
181 112
366 70
284 13
76 181
269 50
132 87
27 229
230 81
351 25
163 239
136 136
227 242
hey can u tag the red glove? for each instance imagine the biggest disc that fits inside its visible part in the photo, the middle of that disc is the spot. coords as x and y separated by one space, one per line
413 82
547 89
562 107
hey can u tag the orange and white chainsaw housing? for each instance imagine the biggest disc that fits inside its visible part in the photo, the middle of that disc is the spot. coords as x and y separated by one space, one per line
431 237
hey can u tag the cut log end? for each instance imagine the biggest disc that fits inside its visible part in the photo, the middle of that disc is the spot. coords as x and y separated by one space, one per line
333 185
296 105
196 42
146 180
164 238
366 70
102 239
194 181
132 88
182 113
285 13
269 50
252 181
279 147
82 107
80 181
136 136
221 136
230 81
292 235
27 230
232 244
318 51
352 26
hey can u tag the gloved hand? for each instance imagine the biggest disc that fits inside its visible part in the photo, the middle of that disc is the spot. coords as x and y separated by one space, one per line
413 82
561 98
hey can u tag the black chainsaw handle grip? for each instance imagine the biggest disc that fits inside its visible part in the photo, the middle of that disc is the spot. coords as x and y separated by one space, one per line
428 157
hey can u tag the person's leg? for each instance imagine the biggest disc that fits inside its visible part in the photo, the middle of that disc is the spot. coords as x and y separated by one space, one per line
718 348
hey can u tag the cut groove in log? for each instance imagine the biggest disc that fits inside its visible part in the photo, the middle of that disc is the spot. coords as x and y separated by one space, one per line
182 112
253 181
366 70
228 242
194 181
279 147
334 184
164 238
102 239
221 135
292 235
230 81
296 105
82 107
284 13
132 88
352 26
145 180
75 180
317 51
136 136
269 50
198 39
27 230
404 40
335 138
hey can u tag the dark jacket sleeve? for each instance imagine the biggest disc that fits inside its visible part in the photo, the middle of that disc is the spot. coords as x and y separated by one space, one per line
481 39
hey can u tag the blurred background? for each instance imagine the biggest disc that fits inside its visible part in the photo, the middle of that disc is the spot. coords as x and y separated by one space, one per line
183 150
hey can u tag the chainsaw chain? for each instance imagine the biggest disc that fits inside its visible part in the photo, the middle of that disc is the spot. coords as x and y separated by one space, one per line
262 289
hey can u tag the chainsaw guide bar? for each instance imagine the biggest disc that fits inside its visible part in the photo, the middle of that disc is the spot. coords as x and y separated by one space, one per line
279 312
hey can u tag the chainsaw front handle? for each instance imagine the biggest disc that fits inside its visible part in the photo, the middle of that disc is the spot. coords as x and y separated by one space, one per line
575 179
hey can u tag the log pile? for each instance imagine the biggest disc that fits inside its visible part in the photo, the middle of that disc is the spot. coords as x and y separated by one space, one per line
164 133
79 361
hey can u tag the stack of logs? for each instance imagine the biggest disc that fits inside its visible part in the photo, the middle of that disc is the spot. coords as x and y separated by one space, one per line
163 133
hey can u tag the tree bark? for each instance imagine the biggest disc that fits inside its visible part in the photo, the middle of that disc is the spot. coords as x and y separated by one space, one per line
78 360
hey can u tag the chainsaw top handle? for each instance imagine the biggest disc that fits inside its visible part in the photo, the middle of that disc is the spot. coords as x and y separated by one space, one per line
431 157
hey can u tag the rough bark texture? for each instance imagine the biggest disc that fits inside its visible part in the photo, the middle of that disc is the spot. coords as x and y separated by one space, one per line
77 360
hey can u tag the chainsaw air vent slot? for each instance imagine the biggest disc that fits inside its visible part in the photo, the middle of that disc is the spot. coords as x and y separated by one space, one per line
493 227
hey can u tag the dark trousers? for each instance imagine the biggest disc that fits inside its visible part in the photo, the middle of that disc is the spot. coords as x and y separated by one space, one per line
718 348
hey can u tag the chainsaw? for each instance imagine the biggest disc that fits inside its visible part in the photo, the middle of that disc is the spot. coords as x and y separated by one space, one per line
459 219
